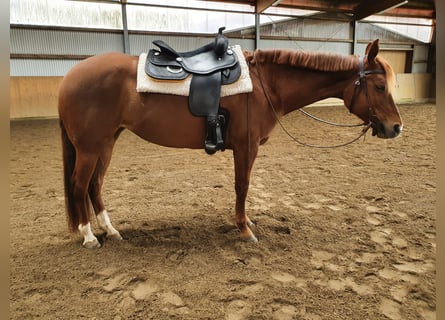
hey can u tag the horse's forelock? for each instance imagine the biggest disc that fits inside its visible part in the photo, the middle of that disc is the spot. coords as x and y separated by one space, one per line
390 76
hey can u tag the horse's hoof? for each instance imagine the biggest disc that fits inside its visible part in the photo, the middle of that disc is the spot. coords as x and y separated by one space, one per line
92 244
250 224
252 239
115 236
249 238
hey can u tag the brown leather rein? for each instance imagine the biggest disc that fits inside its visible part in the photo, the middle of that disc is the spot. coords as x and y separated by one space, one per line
360 84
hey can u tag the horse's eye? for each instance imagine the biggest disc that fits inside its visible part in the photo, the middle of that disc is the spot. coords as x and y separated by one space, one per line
380 88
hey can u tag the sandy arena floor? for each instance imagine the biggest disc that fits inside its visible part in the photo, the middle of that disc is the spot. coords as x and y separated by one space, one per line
344 233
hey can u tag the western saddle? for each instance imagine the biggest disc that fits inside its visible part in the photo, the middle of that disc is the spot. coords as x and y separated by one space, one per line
211 66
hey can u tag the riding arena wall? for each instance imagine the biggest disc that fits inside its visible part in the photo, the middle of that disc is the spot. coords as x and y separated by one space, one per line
41 55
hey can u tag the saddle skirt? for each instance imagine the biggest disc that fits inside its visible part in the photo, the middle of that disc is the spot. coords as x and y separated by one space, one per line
181 87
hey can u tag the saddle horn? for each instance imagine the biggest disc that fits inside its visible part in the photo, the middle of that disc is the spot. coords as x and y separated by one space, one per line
221 43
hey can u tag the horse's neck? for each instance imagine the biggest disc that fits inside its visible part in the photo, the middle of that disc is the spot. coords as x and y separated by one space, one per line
295 88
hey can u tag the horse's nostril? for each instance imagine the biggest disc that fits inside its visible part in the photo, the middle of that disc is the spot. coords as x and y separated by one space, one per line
397 128
382 128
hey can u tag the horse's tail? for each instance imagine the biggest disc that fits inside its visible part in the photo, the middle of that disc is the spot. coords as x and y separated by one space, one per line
69 160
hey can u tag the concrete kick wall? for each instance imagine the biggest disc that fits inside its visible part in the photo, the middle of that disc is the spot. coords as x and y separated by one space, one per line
36 97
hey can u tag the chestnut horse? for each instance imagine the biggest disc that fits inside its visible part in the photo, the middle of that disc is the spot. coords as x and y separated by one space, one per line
98 100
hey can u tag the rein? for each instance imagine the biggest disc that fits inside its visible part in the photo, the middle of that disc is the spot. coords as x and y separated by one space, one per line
329 122
360 83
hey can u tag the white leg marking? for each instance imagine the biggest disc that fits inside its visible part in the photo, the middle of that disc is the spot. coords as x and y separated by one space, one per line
89 240
104 222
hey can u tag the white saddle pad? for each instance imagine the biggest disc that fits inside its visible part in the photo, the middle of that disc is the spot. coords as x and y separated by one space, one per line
146 83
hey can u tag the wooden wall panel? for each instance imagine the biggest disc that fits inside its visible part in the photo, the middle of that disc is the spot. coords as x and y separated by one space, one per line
397 59
33 97
425 86
36 97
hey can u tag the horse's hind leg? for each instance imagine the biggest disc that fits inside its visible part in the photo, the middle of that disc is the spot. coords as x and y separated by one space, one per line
80 180
94 191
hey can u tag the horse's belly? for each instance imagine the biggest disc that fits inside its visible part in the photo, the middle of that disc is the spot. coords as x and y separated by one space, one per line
185 137
170 125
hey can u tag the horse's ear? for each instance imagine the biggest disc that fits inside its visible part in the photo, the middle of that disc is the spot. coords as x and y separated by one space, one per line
372 49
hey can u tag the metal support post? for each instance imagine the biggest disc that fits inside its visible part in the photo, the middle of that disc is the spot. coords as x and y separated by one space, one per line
257 30
125 27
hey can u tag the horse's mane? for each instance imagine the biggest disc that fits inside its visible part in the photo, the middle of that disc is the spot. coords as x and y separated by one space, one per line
319 61
311 60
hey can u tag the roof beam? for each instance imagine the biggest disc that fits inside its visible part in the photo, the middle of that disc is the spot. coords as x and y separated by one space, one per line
318 5
413 13
262 5
367 8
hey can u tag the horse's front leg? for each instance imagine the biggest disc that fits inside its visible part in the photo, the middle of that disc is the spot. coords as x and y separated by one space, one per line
243 165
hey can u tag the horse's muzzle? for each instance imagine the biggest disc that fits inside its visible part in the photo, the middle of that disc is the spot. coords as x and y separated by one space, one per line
386 131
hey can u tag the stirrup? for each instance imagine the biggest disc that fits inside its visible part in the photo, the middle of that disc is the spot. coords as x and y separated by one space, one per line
214 140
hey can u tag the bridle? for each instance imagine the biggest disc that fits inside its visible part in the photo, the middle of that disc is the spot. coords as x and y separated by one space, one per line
360 85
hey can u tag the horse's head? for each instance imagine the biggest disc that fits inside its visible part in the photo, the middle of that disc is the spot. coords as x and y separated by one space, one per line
369 96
